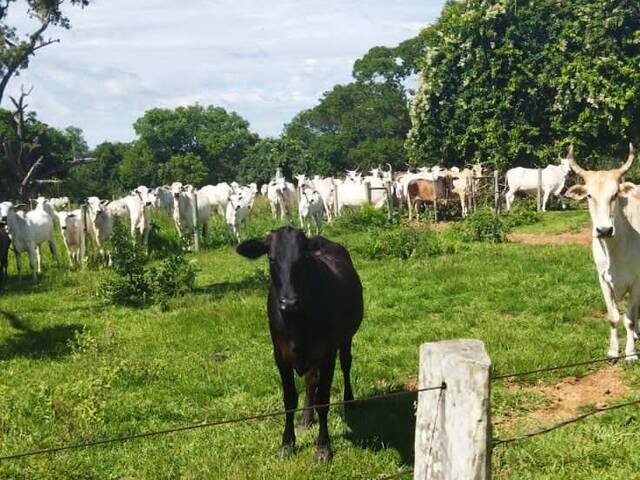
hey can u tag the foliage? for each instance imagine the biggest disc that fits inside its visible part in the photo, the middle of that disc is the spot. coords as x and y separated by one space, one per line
404 242
363 218
134 284
219 139
354 125
522 215
510 83
483 225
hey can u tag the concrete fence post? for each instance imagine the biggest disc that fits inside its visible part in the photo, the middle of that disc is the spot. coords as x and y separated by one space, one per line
367 192
453 429
496 191
539 189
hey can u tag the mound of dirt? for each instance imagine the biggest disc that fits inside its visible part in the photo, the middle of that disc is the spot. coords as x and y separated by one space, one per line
581 238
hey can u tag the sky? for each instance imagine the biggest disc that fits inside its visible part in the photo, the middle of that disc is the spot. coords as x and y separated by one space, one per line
265 60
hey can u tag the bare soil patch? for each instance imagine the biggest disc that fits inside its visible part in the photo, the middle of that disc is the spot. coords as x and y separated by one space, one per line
568 396
581 238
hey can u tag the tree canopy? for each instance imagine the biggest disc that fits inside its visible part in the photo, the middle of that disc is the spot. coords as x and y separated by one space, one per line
515 82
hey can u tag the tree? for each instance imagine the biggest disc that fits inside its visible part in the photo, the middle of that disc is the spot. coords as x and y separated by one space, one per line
15 51
33 152
514 83
187 168
355 125
218 138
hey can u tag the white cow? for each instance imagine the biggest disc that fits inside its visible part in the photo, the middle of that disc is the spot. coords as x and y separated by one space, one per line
310 209
99 224
72 229
22 239
217 197
59 203
462 183
520 179
281 195
136 210
326 187
238 209
185 211
615 215
41 222
164 199
352 192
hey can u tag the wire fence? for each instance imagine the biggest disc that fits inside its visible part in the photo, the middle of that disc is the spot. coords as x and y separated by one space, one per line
262 416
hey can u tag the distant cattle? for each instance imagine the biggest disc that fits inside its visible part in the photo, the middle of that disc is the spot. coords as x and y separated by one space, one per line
238 208
73 234
310 209
525 180
427 192
315 307
99 224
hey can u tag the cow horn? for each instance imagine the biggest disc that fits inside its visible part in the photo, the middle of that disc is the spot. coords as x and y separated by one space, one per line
632 154
572 162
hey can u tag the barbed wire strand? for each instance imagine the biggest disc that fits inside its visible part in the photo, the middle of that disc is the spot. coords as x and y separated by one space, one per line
246 418
564 423
560 367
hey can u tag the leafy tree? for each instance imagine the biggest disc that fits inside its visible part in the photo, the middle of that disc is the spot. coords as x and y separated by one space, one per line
16 50
185 168
354 125
509 82
219 138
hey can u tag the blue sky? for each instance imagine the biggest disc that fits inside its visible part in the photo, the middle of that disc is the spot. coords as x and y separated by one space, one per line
266 60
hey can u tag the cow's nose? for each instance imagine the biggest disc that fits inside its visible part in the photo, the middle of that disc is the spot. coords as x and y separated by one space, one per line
288 304
148 204
237 207
604 232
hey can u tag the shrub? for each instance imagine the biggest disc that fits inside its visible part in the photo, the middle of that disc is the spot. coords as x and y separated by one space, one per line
483 226
406 243
132 283
364 218
525 214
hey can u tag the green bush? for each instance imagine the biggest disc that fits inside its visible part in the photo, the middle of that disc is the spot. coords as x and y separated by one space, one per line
132 283
524 214
404 243
483 226
364 218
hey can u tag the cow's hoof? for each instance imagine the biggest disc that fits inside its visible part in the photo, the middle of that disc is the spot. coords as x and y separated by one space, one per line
631 359
324 454
613 359
286 451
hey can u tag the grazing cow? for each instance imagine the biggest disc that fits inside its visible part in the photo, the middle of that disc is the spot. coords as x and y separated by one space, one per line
41 223
520 179
21 235
310 209
99 224
427 192
615 215
72 228
315 307
5 243
238 209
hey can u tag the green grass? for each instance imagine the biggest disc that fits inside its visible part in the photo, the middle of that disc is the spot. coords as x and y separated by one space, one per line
555 222
73 369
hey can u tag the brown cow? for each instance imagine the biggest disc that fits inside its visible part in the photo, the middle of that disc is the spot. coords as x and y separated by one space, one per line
428 192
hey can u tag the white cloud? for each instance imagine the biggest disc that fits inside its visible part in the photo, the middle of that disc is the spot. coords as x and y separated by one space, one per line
265 60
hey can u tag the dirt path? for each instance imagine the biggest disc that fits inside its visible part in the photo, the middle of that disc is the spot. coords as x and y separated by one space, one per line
580 238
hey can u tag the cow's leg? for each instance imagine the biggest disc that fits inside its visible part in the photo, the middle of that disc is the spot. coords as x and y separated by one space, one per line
614 318
630 324
311 381
345 365
18 263
53 248
323 452
34 257
38 259
69 256
290 403
545 199
509 198
409 207
463 205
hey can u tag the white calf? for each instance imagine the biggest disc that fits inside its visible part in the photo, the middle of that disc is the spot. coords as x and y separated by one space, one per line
310 209
99 224
72 228
237 213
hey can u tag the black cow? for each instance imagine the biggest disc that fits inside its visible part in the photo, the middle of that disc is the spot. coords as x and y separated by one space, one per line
315 307
5 242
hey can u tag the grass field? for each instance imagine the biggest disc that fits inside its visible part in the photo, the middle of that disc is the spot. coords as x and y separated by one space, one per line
73 369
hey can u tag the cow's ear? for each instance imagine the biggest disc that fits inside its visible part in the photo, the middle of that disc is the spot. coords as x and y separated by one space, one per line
253 248
627 189
577 192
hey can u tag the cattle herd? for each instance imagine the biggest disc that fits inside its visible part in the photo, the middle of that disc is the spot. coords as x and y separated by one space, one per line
317 199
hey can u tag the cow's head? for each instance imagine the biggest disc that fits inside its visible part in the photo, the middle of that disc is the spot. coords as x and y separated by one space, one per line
237 201
4 211
287 248
602 189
